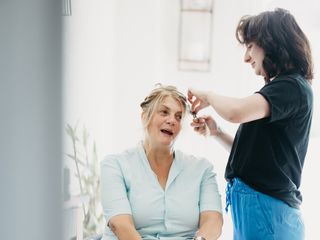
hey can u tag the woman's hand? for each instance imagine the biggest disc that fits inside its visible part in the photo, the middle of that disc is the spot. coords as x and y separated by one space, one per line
198 100
205 125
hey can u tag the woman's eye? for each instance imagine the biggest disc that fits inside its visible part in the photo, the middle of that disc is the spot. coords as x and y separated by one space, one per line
179 117
164 112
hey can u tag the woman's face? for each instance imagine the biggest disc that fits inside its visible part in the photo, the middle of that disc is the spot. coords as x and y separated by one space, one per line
165 123
255 55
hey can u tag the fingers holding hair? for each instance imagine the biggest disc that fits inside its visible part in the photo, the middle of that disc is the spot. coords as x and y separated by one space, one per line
197 100
199 125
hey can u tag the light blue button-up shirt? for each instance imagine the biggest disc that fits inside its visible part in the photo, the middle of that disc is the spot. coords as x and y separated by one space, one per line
129 186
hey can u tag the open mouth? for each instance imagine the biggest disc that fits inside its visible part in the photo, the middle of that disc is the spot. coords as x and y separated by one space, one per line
166 131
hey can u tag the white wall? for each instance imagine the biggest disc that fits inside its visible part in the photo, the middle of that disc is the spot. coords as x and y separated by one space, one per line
117 50
89 68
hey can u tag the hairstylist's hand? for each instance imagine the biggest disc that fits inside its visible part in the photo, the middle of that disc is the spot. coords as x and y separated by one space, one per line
205 125
198 100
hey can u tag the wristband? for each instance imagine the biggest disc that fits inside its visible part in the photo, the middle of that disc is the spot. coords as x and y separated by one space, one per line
199 238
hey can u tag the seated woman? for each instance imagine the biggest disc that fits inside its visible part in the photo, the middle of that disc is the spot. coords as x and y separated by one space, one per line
154 191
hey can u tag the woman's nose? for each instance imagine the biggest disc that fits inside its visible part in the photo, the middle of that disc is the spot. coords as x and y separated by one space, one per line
246 57
171 120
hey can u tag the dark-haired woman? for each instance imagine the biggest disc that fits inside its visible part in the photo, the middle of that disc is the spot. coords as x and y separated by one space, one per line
268 151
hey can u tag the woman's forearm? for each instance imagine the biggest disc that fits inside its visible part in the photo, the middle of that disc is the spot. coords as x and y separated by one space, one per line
239 110
210 225
225 139
126 233
226 107
123 227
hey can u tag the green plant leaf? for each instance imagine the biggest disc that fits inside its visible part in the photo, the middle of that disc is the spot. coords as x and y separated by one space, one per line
88 175
69 131
76 159
85 136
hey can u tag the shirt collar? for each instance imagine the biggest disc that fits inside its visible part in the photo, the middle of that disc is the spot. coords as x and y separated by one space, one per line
175 169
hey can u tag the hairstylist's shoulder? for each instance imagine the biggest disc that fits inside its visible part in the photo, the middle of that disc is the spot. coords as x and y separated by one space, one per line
285 83
285 96
305 91
300 81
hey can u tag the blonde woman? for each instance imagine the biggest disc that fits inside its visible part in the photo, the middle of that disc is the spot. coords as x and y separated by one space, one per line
154 191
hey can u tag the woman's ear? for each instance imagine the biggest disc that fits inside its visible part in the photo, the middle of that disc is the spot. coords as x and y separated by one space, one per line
143 117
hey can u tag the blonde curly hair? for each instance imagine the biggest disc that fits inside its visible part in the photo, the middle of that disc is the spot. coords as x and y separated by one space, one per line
156 97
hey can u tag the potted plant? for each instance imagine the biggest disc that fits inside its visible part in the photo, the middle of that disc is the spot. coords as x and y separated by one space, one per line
87 172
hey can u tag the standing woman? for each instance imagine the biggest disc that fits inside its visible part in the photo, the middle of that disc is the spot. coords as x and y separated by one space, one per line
268 152
154 192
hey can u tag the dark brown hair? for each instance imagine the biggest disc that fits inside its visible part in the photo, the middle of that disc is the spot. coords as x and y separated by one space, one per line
286 47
